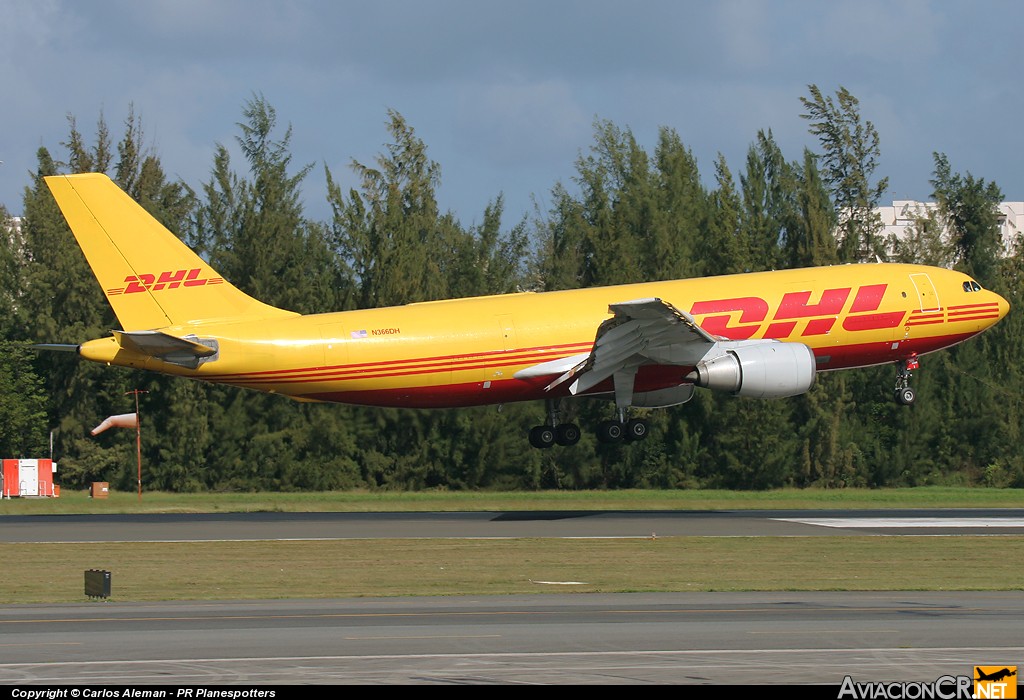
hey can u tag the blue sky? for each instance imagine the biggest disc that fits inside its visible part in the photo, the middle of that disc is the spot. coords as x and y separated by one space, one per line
505 94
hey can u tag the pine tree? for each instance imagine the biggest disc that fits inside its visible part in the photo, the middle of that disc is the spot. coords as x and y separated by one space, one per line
810 240
769 208
969 207
563 252
850 157
680 211
12 260
725 249
617 195
390 232
23 421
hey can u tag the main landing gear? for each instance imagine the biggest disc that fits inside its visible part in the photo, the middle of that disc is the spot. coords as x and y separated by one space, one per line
630 430
903 393
544 436
556 432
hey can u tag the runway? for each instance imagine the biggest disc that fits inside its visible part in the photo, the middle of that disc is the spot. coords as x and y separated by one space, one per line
178 527
704 638
593 639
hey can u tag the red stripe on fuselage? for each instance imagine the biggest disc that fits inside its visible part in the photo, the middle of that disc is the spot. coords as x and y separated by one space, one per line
446 362
868 354
986 305
974 317
648 378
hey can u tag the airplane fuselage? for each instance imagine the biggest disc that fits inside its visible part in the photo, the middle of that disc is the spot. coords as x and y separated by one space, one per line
467 351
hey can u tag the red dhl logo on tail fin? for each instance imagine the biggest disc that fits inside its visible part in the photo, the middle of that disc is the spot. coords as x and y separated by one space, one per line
146 282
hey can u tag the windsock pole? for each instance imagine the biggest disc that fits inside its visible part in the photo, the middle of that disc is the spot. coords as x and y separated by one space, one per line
138 434
128 420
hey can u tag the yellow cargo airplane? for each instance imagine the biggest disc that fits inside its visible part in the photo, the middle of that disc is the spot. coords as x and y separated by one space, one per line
762 334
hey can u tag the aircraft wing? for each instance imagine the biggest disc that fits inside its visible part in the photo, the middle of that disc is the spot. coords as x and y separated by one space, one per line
641 332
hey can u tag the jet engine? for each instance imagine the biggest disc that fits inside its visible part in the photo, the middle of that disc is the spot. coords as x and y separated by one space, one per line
760 369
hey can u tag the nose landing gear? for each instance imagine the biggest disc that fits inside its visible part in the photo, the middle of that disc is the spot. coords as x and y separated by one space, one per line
904 393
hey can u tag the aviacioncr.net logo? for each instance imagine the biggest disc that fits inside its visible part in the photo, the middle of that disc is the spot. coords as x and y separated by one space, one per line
942 688
995 682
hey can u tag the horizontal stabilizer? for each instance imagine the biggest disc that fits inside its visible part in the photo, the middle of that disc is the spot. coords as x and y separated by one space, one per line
187 352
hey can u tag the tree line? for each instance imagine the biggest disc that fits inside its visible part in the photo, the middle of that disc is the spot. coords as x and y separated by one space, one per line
628 214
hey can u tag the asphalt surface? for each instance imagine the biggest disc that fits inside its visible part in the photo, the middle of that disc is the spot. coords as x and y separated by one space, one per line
592 639
704 638
313 526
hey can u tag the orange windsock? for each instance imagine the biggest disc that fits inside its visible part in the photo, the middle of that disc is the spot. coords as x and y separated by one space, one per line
125 420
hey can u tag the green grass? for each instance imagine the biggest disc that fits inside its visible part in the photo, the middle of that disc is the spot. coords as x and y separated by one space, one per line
50 573
348 568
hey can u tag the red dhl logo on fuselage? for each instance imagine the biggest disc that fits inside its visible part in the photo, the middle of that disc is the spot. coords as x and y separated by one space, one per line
794 307
145 282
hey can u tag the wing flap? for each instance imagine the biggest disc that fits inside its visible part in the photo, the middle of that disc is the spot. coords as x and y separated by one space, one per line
545 369
643 331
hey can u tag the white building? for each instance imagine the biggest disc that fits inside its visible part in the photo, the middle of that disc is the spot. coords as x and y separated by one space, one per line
902 215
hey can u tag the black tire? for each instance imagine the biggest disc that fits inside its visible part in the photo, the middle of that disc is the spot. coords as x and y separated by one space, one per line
542 437
610 431
567 434
636 429
905 396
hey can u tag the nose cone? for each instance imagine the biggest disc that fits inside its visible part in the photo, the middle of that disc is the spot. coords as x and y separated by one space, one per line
1004 306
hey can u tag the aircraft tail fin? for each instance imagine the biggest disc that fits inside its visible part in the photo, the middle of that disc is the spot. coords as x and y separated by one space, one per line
151 279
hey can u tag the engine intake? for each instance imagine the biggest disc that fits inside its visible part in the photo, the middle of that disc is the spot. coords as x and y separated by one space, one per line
767 370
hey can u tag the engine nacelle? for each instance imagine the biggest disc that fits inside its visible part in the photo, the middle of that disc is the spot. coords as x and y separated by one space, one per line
762 370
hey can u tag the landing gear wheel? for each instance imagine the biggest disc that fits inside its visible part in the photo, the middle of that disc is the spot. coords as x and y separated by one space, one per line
636 429
610 431
905 396
542 436
567 434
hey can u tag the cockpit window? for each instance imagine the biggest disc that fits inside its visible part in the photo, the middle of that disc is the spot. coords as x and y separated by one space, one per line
972 286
